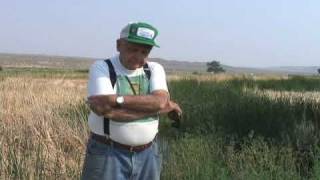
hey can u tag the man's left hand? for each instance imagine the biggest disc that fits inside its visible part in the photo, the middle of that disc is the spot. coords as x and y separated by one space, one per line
101 104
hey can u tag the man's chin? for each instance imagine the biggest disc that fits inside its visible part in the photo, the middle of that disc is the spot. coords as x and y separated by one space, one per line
135 67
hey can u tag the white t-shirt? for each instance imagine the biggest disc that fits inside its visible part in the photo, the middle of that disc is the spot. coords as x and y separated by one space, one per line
130 133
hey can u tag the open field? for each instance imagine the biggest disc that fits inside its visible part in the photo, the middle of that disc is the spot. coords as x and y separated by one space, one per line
234 127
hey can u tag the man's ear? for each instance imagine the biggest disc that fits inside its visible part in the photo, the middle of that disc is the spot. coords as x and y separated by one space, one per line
118 45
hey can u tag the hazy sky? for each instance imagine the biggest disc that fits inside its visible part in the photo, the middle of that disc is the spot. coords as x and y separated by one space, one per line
248 33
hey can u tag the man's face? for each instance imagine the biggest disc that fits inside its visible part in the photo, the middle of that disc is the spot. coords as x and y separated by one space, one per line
132 55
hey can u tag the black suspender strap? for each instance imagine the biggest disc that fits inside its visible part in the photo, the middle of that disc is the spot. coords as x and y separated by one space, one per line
113 79
112 73
147 70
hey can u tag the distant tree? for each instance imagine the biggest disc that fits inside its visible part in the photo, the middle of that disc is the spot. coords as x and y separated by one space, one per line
1 68
196 73
319 70
215 67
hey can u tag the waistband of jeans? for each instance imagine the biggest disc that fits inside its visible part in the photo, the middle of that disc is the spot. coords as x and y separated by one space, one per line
108 141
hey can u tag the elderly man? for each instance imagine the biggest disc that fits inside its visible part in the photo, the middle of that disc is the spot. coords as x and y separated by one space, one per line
126 96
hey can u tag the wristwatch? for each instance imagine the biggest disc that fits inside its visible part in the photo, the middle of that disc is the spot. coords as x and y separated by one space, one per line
120 101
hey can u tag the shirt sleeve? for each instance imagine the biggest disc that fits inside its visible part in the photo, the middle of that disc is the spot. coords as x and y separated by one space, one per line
99 81
158 77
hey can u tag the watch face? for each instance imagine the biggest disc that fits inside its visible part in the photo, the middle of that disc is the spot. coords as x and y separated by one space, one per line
120 100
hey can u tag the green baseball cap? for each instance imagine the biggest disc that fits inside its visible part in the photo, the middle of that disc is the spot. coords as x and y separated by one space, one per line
141 33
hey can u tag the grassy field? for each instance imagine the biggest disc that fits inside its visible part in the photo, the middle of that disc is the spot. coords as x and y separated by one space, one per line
233 127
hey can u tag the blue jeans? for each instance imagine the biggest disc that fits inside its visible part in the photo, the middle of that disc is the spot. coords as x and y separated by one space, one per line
105 162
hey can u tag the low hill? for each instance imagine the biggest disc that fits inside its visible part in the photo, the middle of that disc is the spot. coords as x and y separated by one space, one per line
44 61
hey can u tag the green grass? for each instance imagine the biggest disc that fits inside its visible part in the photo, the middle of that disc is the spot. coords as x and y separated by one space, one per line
44 72
266 138
294 83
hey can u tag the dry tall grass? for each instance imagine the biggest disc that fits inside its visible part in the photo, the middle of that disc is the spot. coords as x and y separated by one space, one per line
36 141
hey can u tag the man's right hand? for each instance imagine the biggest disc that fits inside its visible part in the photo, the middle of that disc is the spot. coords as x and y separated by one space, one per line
173 115
176 116
173 111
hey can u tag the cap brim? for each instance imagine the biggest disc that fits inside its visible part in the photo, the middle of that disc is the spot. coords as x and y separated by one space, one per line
138 41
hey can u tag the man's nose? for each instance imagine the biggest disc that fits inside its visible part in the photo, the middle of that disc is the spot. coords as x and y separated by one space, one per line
139 56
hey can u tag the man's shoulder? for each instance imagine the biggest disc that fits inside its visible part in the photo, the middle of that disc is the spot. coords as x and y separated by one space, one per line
98 64
101 63
154 65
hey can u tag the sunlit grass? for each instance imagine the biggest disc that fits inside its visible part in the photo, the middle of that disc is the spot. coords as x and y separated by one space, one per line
37 140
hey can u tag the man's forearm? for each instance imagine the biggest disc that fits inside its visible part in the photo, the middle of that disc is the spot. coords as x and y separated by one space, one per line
126 115
147 103
104 106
